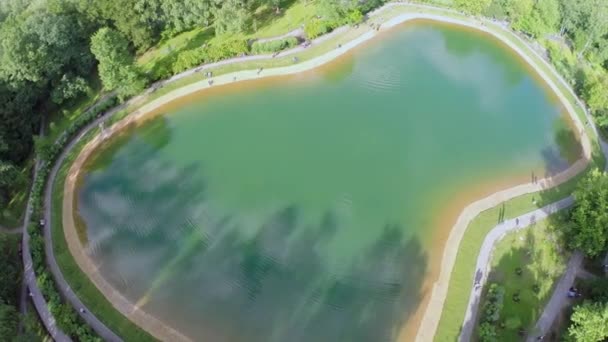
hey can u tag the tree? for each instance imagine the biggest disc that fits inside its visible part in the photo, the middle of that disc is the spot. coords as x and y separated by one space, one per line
536 18
587 229
17 120
549 11
233 17
69 87
41 46
275 4
10 266
586 21
596 92
184 15
589 322
116 64
9 320
140 21
472 6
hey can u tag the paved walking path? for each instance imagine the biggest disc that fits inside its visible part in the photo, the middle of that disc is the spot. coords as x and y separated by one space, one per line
559 299
440 289
30 278
485 254
297 33
66 291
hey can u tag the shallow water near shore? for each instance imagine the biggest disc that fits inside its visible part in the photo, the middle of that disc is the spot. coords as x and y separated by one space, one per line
304 209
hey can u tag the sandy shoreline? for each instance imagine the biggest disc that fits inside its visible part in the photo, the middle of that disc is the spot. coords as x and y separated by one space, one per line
429 311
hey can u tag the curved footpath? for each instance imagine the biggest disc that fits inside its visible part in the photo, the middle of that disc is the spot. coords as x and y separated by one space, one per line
29 276
485 254
63 286
161 331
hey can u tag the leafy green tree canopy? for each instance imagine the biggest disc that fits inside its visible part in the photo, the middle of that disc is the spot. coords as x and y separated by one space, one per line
116 63
589 322
588 227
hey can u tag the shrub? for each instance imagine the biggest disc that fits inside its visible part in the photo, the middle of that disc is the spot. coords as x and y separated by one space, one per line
354 17
316 27
487 332
188 59
493 304
208 54
274 45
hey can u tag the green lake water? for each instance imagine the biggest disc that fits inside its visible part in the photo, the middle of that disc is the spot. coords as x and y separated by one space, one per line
304 209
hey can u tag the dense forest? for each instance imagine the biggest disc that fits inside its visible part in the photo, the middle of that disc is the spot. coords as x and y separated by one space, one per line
9 286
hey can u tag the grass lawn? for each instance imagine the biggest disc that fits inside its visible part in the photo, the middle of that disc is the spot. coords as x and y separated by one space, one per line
533 251
79 282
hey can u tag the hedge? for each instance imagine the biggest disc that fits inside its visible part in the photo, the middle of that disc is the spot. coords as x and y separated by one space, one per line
274 45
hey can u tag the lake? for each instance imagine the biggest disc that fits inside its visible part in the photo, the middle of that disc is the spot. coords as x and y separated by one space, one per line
313 207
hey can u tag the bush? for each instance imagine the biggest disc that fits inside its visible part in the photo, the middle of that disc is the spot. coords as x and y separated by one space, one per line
208 54
274 45
493 304
316 27
487 332
354 17
188 59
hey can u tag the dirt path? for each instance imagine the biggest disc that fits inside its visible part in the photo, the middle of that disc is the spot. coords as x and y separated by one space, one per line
431 316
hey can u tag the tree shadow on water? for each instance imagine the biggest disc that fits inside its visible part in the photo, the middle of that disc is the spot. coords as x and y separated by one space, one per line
136 212
280 284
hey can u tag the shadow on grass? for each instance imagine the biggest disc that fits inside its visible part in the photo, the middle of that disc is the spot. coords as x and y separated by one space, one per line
267 14
527 273
163 66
